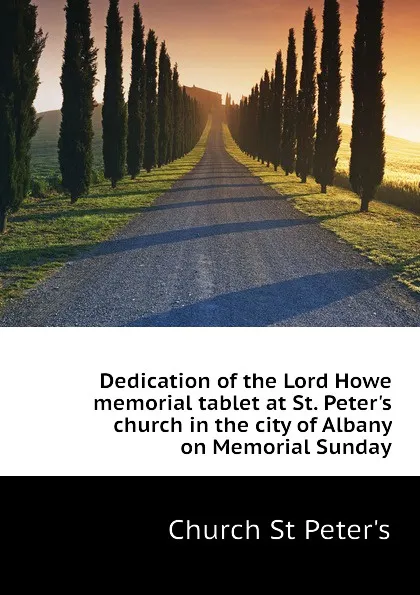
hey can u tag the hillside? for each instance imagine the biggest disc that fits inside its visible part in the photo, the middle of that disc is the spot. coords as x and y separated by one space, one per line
44 145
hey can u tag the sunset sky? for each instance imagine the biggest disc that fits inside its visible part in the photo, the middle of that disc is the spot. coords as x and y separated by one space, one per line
225 45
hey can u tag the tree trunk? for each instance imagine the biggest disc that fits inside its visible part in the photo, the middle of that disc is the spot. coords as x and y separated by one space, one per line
114 184
276 167
303 179
323 189
73 199
365 204
3 221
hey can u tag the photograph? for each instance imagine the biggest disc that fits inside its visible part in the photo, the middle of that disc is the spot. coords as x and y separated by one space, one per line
209 164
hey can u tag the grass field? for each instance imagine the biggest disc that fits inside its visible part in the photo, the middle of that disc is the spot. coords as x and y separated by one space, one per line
388 235
46 233
401 185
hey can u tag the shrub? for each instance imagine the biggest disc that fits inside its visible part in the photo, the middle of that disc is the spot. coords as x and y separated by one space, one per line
55 183
97 176
39 188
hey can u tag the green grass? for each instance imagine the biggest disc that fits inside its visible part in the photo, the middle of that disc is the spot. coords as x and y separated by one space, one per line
46 233
401 184
388 235
44 156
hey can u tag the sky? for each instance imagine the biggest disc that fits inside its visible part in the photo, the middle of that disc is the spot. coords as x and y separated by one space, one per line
225 46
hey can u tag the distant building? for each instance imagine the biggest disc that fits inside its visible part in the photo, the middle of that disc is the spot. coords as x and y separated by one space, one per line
210 100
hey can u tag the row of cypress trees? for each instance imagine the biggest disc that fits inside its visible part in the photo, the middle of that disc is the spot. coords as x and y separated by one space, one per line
281 125
21 46
152 129
159 123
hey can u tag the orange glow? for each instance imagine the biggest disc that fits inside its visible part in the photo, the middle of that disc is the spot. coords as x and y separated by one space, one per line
225 45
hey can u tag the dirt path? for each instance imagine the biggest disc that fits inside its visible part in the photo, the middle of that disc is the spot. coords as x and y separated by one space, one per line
219 249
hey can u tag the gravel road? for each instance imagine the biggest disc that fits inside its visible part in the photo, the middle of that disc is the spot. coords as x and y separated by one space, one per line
219 249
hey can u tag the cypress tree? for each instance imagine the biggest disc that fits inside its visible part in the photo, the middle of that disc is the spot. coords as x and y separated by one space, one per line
77 83
170 136
176 114
288 156
269 122
21 46
136 98
152 124
184 130
191 136
250 123
306 100
187 121
260 118
228 111
266 124
164 105
328 132
242 124
254 122
367 163
277 113
234 118
9 171
263 119
235 121
114 111
246 124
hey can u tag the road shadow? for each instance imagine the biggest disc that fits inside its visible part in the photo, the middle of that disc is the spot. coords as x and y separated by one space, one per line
194 233
139 242
271 304
141 209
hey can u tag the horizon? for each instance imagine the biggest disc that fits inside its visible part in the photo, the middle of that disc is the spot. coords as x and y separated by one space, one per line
211 43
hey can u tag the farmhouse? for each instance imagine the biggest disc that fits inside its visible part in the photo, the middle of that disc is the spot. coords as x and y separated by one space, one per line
209 100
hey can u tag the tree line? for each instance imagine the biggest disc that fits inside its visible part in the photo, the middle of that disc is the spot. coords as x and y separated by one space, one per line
297 128
158 124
